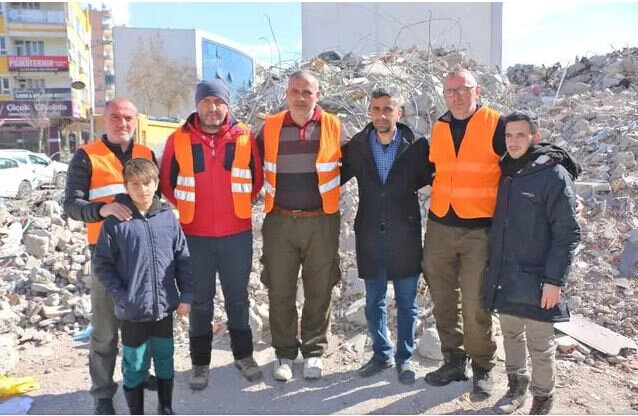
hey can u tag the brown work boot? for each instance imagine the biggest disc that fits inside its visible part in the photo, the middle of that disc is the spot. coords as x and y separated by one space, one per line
199 377
542 405
249 368
515 397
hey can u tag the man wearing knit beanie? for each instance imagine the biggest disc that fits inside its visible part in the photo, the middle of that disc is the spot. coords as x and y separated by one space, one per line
212 171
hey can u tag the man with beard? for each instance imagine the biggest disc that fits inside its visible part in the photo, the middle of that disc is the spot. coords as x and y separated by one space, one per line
211 171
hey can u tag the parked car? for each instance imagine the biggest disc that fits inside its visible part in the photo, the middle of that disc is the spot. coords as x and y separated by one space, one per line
18 180
48 172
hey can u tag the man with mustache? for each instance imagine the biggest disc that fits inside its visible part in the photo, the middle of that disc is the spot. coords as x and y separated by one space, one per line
301 148
211 171
93 179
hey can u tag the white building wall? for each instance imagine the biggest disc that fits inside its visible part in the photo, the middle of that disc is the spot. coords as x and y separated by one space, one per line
364 28
179 44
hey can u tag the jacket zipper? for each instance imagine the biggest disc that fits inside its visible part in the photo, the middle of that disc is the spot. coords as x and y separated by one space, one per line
153 265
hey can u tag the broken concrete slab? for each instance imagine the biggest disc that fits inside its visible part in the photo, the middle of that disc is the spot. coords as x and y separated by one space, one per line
628 259
595 336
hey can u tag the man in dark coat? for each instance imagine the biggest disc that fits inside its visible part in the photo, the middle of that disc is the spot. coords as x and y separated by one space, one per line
532 241
390 166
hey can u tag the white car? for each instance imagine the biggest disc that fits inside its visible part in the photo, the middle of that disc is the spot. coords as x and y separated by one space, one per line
48 172
17 180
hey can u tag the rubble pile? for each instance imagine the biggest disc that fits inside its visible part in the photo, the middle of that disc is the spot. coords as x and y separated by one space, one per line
45 275
598 123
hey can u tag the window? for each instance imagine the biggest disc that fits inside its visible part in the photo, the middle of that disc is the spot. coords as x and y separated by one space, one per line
4 86
29 47
25 5
8 163
3 44
38 160
32 84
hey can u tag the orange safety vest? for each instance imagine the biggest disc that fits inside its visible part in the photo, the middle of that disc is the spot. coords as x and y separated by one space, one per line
327 163
106 178
241 181
467 181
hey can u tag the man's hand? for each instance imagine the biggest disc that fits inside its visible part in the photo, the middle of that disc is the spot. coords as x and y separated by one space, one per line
119 211
183 309
551 296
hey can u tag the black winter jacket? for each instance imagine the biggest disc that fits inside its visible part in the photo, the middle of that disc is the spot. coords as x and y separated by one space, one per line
533 237
78 181
140 261
391 208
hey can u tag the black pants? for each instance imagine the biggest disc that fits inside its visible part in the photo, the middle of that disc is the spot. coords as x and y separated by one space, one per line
231 257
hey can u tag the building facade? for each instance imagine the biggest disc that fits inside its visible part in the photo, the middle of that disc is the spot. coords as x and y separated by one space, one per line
210 57
44 50
364 28
102 54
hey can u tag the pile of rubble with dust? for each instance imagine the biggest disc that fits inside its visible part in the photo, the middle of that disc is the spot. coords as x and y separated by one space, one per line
45 278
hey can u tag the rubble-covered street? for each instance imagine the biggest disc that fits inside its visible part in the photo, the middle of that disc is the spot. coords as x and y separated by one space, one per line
590 108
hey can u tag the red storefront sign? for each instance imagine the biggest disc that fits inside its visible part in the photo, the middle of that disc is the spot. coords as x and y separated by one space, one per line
39 63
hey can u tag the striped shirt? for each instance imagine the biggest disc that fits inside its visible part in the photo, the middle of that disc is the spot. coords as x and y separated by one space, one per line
297 180
384 155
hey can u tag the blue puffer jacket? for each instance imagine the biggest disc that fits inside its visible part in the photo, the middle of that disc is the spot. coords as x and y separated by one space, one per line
533 236
142 263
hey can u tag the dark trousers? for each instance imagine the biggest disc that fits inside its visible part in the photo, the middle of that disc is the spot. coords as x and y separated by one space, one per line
140 341
313 244
231 257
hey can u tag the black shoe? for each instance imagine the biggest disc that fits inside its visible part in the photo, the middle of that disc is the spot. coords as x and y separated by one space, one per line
164 397
135 399
406 373
104 407
542 405
151 383
452 370
483 383
374 366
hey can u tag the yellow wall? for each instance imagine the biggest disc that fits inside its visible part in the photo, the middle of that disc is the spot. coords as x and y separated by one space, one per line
4 65
150 133
5 98
1 24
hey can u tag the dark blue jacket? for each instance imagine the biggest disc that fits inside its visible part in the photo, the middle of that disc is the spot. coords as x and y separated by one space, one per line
389 209
532 240
142 263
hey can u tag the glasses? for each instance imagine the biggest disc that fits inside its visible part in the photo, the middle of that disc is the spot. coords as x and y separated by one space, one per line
461 91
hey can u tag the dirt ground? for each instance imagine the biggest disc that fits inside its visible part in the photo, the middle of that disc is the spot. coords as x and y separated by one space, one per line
61 368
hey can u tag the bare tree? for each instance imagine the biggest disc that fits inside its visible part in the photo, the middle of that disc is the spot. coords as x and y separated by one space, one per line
155 77
41 117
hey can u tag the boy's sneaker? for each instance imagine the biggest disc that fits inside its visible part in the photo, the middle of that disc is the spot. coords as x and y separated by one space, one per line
374 366
312 368
282 371
199 377
249 368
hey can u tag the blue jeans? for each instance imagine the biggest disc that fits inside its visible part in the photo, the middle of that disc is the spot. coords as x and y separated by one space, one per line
377 316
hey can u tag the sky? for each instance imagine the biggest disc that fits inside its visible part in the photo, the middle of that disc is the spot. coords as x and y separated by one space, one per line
536 32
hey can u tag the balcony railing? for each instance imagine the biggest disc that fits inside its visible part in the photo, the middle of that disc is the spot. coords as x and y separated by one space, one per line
36 16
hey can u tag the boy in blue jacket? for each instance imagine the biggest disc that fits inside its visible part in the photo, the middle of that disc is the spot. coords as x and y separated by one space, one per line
144 264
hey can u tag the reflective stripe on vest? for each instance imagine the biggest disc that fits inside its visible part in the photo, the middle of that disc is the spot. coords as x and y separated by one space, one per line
468 181
106 177
327 163
240 176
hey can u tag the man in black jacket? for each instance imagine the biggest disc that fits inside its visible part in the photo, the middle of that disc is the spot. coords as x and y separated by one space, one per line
93 179
390 165
532 241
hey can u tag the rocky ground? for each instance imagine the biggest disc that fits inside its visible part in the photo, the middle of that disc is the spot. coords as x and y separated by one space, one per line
590 108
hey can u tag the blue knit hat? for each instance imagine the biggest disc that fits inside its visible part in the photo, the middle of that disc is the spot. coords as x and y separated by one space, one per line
216 88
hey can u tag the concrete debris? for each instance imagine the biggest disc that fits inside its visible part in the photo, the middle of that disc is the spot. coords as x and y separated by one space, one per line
429 345
45 284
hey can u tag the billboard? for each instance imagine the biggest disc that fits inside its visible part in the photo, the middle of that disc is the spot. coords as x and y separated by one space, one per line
39 63
46 93
27 109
